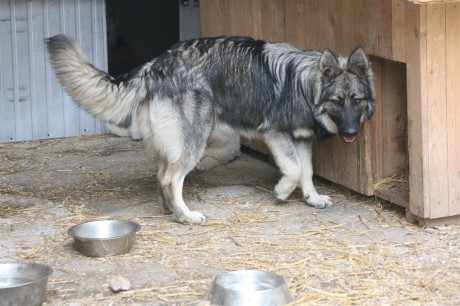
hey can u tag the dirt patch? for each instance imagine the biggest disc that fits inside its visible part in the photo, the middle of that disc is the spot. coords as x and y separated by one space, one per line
362 251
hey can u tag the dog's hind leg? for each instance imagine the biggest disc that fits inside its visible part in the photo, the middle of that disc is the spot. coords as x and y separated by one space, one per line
165 206
175 131
171 184
285 155
223 146
311 196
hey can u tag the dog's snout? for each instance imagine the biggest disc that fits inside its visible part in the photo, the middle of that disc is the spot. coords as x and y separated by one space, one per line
350 132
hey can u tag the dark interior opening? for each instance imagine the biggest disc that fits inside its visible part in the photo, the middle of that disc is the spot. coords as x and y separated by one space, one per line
139 30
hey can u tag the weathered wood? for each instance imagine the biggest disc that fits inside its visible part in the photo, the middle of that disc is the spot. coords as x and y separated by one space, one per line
416 101
394 195
256 18
426 222
436 112
398 33
453 105
425 39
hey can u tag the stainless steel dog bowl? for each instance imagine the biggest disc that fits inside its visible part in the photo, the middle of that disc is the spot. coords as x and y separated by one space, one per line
104 238
23 283
250 287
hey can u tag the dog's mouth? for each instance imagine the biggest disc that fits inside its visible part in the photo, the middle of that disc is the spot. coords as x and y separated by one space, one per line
349 139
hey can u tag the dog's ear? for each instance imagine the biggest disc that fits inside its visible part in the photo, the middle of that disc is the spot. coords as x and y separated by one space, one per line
358 62
329 66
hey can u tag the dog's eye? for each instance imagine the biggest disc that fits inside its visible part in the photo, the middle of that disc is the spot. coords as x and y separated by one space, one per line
336 101
358 101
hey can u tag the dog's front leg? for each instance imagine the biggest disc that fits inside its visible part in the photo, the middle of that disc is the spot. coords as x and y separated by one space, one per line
311 196
285 155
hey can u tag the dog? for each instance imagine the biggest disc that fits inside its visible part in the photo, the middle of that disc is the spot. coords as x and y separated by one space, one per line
285 96
132 130
222 147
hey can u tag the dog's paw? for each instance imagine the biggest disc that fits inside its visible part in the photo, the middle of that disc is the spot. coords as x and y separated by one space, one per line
207 163
192 217
283 190
166 210
319 201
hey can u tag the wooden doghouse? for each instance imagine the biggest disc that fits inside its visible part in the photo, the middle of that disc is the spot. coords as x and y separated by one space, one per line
414 49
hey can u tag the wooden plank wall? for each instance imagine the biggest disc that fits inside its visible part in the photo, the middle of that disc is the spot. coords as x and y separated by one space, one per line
256 18
436 109
453 106
376 26
416 98
299 23
433 39
420 42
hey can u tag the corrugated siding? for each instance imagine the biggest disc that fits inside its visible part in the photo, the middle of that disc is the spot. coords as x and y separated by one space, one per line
33 104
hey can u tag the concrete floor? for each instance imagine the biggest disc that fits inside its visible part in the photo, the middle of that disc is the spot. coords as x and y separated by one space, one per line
362 251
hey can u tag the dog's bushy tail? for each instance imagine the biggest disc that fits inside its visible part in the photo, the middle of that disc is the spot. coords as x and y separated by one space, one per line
92 89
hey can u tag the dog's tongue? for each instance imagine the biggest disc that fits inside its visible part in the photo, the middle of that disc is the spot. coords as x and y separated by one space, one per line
349 139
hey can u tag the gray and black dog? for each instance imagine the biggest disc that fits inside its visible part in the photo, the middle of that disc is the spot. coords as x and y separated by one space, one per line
272 91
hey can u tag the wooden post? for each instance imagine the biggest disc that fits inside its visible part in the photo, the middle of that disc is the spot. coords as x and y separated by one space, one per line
433 79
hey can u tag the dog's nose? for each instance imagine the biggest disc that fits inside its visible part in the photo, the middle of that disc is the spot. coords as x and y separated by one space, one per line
350 132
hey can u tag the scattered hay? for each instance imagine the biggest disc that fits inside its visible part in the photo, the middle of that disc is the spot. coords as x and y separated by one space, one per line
327 259
398 180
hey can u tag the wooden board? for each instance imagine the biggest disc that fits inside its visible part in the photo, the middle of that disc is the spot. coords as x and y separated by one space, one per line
255 18
394 195
420 95
378 26
416 101
431 1
436 108
453 105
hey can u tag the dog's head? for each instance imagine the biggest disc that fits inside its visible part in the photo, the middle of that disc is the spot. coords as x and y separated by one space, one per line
345 93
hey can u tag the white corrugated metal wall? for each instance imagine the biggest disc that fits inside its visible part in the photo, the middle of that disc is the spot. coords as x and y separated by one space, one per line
33 105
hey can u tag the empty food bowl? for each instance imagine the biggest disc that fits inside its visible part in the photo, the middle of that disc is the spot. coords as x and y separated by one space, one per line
23 283
104 238
250 287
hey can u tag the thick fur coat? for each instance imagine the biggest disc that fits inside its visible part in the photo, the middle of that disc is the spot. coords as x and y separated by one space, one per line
285 96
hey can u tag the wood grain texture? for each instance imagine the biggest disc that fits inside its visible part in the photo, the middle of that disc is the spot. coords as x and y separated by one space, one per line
255 18
436 108
416 106
453 105
419 93
398 33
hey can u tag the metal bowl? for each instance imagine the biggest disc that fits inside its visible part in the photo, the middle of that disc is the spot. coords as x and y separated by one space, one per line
104 238
250 287
23 283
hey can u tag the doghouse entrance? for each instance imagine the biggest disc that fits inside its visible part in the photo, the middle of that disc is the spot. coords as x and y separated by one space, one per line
390 156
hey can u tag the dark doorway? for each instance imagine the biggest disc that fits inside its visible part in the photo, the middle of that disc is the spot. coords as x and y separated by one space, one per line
139 30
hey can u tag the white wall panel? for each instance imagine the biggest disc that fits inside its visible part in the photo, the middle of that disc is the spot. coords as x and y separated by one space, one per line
33 104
